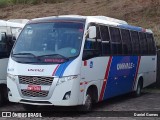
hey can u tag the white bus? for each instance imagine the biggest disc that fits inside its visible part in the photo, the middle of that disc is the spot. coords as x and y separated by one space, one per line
79 60
8 33
22 21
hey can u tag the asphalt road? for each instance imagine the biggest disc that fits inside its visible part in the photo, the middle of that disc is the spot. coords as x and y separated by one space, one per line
116 108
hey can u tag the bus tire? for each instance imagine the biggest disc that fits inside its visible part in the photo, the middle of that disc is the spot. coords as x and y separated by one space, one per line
138 91
29 107
5 94
88 103
1 98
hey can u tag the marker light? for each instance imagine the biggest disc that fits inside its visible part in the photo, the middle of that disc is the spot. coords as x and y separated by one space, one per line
12 77
65 79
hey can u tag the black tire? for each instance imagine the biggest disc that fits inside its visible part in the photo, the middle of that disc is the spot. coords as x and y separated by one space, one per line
5 95
138 91
88 103
29 107
1 99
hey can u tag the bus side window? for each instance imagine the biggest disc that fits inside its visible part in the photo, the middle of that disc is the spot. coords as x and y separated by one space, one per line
3 45
106 47
92 47
135 42
90 44
143 43
127 44
16 31
98 40
151 44
116 41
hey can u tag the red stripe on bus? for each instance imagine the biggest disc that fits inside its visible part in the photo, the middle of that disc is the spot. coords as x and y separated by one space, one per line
55 70
139 59
105 79
85 63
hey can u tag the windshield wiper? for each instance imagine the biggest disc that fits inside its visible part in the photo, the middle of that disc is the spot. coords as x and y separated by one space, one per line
26 54
54 55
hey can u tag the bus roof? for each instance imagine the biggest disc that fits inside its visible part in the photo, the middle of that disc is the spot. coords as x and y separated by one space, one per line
131 27
102 19
135 28
98 17
22 21
12 24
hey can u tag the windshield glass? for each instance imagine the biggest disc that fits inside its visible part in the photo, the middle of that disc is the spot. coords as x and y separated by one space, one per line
49 42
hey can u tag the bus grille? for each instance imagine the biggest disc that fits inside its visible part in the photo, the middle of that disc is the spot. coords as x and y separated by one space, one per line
29 93
34 80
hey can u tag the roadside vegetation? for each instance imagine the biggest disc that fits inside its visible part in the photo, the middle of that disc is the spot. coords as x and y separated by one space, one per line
4 3
145 13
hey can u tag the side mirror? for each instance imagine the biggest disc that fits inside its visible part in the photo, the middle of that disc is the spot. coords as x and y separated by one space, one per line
3 36
92 32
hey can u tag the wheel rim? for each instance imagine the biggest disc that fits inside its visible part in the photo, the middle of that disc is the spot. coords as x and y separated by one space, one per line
88 102
138 90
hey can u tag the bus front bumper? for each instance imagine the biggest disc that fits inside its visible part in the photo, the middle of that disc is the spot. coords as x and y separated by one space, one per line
57 97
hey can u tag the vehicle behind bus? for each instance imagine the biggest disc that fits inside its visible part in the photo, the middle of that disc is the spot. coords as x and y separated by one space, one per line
79 60
8 34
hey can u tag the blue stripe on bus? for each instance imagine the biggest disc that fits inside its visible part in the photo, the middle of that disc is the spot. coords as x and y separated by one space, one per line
62 68
131 27
121 76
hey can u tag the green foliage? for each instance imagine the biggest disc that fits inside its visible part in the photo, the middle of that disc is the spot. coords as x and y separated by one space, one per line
24 1
3 3
32 1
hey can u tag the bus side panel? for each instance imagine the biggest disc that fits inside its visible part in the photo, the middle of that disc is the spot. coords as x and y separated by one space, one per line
3 68
148 69
92 71
123 71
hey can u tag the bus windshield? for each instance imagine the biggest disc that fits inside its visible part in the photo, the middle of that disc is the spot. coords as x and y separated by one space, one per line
49 42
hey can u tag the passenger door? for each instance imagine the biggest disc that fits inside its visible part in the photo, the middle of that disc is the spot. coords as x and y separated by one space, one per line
6 44
3 56
93 68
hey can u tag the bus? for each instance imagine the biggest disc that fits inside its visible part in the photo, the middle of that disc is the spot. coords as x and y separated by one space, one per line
22 21
76 60
8 33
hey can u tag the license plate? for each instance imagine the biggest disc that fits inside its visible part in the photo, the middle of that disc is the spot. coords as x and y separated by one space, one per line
34 88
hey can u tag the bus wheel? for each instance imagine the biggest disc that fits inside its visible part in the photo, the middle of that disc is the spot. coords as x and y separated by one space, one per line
29 107
5 95
88 103
1 98
137 93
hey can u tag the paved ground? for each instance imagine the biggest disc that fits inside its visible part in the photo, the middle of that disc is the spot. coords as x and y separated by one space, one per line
149 101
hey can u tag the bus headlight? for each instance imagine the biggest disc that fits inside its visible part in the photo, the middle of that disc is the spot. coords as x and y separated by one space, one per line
12 77
65 79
